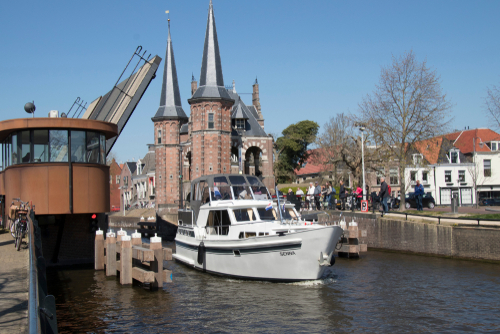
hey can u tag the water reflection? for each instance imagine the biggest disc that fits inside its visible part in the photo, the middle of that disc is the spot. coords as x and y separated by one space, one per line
382 292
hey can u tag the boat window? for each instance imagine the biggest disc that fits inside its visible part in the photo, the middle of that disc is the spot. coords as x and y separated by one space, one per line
289 214
221 193
220 181
266 214
218 222
242 192
244 235
205 194
237 180
260 193
253 181
244 215
261 234
196 192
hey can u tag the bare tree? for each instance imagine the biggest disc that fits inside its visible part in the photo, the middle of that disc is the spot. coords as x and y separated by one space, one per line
340 148
476 174
407 106
493 105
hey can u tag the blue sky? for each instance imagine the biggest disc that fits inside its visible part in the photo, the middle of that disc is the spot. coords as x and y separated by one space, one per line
313 59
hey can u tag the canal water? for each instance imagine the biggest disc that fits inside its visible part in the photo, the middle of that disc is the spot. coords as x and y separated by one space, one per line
380 292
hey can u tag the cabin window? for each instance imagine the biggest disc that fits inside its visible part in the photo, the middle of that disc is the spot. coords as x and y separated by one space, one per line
237 180
58 142
260 193
24 143
222 193
40 146
244 215
93 147
289 214
218 222
78 146
266 214
14 150
261 234
242 192
244 235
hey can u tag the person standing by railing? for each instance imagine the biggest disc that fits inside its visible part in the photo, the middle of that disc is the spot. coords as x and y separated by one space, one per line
419 193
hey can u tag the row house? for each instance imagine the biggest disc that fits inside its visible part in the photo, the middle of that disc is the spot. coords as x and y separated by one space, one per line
455 164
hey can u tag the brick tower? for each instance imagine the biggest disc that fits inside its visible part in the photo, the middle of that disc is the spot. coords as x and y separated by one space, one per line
167 122
211 108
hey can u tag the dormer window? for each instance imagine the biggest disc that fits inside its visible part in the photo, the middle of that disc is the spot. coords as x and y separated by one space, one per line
417 159
240 124
493 146
454 156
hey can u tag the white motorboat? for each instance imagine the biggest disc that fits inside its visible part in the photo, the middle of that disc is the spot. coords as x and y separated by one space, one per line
233 228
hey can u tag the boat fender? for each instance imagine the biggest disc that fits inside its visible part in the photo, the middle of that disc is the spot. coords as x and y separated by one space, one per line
201 252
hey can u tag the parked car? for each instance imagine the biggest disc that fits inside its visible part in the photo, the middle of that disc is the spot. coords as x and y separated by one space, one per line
115 209
427 201
490 202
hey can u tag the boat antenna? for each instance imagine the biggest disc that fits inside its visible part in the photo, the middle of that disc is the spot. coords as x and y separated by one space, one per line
278 197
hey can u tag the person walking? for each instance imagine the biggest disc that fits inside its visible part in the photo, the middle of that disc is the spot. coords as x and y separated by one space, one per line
342 195
329 192
419 193
384 194
317 196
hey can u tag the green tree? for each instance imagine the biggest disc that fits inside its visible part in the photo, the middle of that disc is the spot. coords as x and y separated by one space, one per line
290 150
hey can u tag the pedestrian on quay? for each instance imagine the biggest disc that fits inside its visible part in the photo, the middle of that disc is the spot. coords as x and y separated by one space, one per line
419 193
310 196
384 194
317 196
342 194
329 192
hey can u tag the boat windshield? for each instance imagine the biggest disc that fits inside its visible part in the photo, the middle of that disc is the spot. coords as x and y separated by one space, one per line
244 215
221 193
242 192
267 214
260 193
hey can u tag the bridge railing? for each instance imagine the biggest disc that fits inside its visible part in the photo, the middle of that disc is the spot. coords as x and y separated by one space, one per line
41 306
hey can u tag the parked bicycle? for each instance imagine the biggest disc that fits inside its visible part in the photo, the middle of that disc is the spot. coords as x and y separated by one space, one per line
20 224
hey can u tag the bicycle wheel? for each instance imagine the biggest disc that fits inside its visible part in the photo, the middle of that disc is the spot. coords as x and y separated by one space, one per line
13 229
15 238
19 241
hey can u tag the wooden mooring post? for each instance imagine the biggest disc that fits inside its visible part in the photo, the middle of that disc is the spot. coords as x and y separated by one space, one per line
137 261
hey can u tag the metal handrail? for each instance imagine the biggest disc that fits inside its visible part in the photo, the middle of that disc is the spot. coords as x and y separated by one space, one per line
443 217
33 299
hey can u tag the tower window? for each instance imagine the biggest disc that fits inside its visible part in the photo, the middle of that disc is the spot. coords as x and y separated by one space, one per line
240 124
159 136
210 120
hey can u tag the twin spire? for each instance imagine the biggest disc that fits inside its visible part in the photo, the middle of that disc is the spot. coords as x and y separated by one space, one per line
170 100
211 80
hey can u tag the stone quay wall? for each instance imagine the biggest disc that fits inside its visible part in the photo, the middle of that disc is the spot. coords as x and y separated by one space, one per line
478 243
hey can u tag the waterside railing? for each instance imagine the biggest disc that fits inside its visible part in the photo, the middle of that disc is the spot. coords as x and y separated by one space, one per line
41 306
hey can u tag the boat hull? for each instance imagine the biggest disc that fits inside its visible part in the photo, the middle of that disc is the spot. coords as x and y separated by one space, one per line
290 257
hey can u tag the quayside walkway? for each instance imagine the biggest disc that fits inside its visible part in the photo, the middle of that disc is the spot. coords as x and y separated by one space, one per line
13 286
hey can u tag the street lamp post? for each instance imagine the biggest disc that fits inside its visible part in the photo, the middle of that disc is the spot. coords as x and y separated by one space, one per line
362 128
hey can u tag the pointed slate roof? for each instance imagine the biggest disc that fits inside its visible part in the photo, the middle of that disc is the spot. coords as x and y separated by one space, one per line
253 128
170 101
211 80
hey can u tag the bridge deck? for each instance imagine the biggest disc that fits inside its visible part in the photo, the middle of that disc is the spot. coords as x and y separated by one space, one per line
13 286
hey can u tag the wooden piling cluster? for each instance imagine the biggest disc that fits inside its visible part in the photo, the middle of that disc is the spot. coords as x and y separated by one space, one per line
352 243
133 259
